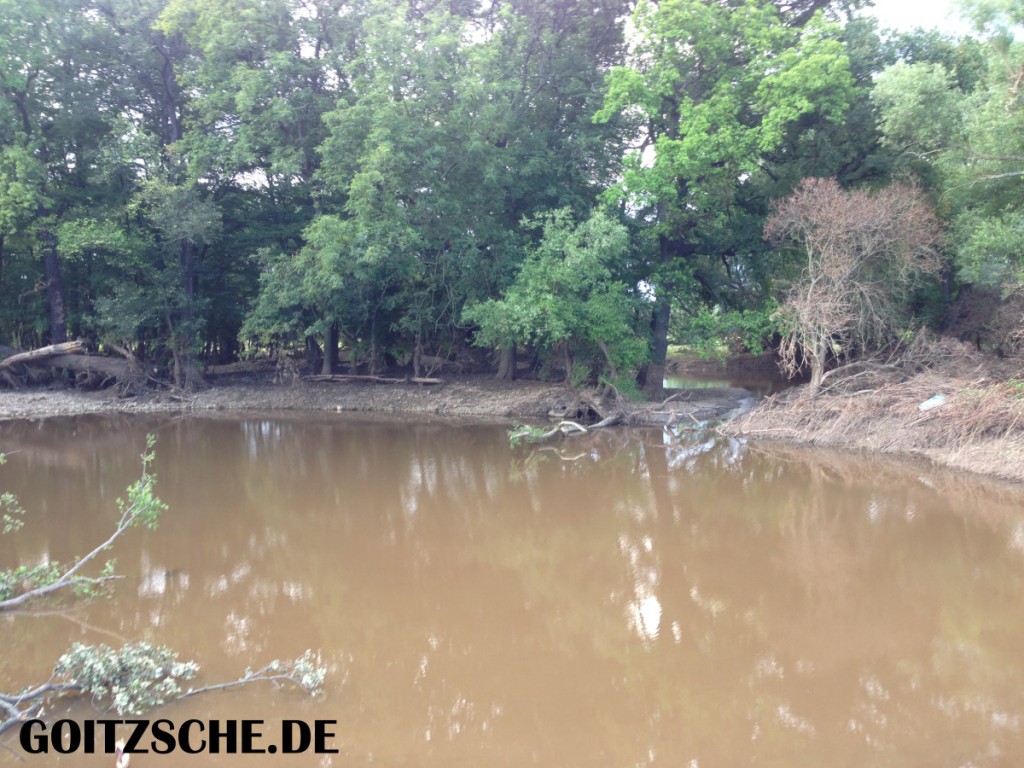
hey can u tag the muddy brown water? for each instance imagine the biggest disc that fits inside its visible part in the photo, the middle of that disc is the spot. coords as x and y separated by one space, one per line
629 599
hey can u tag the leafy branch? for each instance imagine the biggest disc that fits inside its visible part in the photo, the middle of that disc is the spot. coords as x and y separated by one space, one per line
142 507
138 677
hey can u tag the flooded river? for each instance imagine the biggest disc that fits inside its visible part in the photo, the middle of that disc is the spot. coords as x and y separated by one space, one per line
630 599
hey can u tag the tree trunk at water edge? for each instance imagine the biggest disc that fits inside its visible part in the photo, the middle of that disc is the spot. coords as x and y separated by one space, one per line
54 289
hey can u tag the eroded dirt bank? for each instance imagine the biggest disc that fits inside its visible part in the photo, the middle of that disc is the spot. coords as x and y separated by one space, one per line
467 396
943 401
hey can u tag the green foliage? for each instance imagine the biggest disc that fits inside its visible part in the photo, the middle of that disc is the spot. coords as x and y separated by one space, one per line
142 507
524 433
966 132
25 578
137 677
565 295
20 184
278 314
905 92
626 386
446 127
286 170
129 680
715 89
11 512
990 248
714 331
305 671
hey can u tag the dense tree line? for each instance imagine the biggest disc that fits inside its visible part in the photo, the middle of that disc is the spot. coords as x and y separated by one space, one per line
187 181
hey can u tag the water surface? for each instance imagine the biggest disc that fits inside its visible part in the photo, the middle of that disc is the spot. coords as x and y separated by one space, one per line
630 599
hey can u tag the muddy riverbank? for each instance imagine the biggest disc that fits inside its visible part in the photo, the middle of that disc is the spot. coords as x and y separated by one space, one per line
944 401
479 397
976 422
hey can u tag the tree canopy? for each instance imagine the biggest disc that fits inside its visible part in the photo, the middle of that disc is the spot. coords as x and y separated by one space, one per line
189 182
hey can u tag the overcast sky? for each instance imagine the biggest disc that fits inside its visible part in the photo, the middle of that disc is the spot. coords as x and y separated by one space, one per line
909 14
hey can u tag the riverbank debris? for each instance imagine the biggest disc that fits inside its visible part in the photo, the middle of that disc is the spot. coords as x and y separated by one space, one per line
35 355
879 408
343 378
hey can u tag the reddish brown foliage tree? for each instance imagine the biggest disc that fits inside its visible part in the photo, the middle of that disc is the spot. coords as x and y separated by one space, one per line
864 251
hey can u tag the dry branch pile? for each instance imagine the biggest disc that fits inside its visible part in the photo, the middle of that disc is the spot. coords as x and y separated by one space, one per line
874 405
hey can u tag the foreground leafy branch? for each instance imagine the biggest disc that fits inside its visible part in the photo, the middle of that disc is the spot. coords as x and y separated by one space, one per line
142 507
138 677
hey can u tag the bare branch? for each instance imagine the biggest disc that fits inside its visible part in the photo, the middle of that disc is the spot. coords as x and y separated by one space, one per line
862 251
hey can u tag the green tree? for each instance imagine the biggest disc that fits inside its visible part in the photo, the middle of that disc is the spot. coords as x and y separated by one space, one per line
565 299
455 123
966 133
53 120
712 88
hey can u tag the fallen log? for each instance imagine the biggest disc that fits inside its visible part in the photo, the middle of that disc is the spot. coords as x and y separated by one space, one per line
609 421
66 348
347 377
564 427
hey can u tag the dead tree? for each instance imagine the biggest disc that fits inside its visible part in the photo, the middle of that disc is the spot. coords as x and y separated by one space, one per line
863 252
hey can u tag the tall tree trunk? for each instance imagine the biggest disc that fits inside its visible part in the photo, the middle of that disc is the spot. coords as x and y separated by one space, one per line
312 354
818 353
54 288
671 250
507 363
655 379
612 370
330 362
417 355
187 373
373 344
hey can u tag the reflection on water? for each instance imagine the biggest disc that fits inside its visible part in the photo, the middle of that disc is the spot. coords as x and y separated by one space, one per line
624 598
760 384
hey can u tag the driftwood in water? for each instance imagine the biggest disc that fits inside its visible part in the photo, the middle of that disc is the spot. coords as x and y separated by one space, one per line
564 427
586 408
347 377
67 348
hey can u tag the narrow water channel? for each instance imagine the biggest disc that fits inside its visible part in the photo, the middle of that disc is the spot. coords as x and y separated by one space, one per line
629 599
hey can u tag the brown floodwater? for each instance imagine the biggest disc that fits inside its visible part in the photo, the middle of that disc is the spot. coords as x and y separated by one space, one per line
631 599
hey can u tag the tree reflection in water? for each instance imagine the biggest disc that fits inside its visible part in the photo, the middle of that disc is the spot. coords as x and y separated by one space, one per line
626 597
